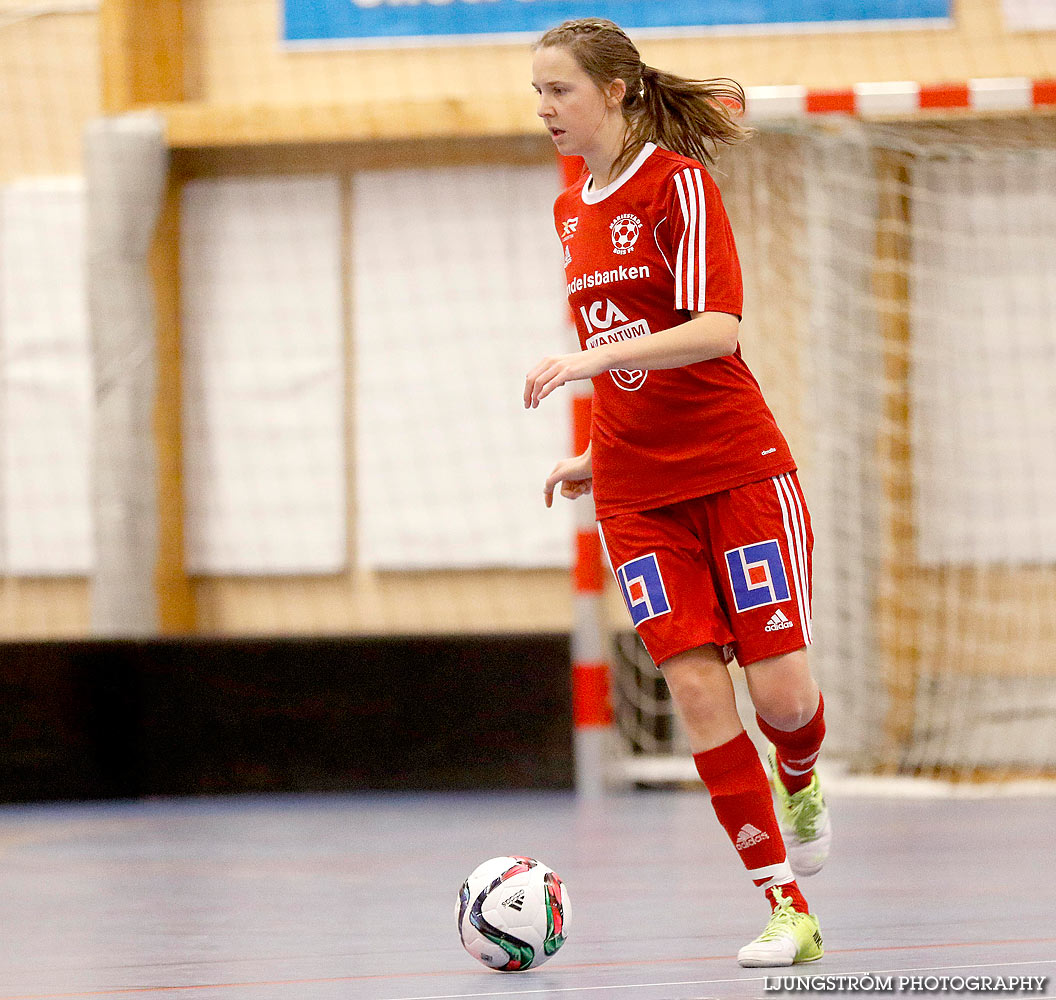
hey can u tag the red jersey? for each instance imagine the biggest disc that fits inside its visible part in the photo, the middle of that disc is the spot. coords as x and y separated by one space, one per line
640 255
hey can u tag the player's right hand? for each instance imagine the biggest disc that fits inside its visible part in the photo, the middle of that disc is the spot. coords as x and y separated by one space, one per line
574 475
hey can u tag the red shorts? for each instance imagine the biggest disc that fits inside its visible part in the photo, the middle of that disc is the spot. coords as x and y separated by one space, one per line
731 568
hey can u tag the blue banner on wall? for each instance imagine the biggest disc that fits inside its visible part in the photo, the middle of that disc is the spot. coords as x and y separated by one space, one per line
377 21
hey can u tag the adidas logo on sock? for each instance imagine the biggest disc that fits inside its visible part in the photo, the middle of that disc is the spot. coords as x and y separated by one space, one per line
516 901
778 622
749 836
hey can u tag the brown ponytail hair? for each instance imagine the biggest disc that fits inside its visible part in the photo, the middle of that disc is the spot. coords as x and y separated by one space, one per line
685 116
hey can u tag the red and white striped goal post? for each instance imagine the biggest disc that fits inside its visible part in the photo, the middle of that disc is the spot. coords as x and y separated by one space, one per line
901 98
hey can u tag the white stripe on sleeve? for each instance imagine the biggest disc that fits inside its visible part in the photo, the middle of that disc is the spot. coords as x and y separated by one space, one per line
691 239
702 252
679 297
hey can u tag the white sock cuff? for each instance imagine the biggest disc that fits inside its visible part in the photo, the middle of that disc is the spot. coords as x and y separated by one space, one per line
770 875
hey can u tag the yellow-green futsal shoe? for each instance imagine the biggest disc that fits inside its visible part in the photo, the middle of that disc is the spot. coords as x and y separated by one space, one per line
804 821
790 938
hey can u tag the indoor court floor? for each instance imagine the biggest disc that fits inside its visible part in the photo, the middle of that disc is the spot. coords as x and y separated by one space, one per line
352 896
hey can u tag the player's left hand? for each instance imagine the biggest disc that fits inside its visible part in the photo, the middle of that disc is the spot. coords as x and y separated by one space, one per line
555 371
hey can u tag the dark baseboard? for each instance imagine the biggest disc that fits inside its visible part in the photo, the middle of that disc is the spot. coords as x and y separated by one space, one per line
128 719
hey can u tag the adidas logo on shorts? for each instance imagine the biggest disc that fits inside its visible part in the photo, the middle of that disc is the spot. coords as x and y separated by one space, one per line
749 836
778 621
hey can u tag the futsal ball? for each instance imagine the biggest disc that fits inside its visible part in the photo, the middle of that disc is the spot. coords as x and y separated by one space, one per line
512 913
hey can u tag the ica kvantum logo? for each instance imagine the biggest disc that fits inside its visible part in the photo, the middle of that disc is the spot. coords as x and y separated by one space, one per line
600 320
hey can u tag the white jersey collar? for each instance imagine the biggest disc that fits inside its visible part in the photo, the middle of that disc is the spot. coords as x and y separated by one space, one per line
592 195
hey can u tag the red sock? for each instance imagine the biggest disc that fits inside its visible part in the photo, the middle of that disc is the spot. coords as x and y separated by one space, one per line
789 889
740 795
798 750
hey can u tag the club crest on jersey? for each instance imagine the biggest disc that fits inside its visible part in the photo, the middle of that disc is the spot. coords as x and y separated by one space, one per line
643 588
757 575
625 229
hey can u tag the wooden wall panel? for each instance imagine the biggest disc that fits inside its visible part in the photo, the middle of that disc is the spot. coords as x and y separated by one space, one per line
142 53
49 82
43 608
234 57
49 72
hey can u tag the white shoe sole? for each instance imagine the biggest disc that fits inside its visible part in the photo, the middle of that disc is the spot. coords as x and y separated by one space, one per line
771 955
764 957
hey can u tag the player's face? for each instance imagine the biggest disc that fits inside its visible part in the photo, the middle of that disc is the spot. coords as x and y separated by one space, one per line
570 103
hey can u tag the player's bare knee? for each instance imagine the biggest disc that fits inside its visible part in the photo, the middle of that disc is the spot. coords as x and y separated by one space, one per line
783 690
788 708
788 714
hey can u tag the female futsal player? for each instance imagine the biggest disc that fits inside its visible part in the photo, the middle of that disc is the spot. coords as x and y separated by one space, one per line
698 504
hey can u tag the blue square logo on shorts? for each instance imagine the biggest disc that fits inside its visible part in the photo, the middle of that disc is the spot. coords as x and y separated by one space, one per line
643 588
757 575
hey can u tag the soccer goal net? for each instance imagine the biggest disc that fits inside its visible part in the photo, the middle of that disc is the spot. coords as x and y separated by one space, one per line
901 316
